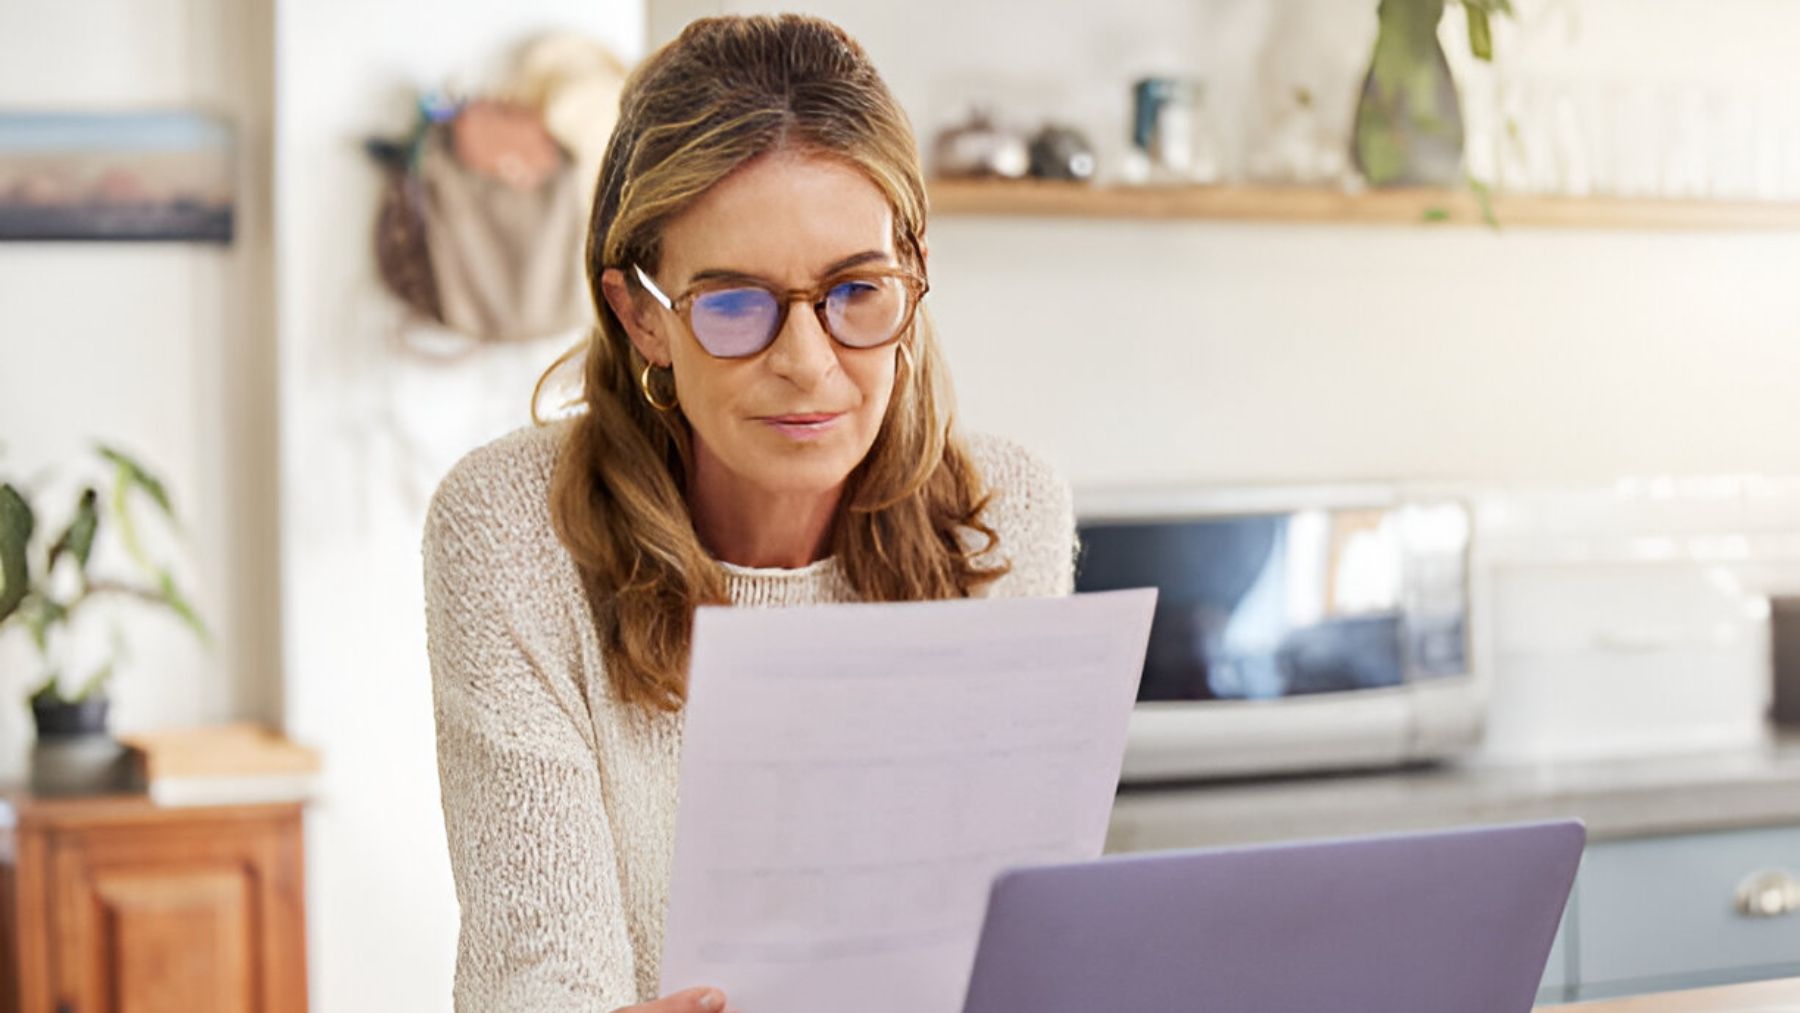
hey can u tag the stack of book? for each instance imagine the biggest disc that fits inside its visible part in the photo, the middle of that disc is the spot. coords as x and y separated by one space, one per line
232 764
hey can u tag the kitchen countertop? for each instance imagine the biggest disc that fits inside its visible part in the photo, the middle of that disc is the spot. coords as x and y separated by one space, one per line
1754 786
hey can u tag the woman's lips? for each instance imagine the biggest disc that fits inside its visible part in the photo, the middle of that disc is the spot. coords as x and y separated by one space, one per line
804 426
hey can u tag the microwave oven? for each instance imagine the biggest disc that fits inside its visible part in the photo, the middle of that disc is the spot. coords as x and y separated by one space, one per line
1296 629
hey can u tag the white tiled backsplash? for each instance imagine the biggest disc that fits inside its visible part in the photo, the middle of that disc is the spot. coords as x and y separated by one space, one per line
1632 617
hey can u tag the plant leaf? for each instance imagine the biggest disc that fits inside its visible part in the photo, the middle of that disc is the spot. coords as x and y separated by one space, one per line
136 474
40 613
1481 33
121 511
95 684
78 538
1484 197
47 691
16 522
173 597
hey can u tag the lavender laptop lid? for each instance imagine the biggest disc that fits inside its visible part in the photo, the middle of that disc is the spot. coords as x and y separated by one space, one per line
1455 920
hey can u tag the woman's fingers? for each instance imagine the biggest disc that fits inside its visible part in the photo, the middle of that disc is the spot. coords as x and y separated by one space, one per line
690 1000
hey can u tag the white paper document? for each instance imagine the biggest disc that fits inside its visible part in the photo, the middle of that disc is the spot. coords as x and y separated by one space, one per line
854 776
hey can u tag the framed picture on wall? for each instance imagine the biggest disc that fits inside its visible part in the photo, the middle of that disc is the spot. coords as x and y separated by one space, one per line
116 176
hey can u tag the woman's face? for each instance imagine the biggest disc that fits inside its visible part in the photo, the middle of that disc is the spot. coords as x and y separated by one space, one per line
798 416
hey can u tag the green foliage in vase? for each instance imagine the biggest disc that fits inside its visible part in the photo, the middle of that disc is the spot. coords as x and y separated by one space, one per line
36 596
1409 117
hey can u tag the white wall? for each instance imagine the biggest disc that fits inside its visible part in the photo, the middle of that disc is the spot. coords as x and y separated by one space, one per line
1317 353
1191 351
373 411
1538 365
166 349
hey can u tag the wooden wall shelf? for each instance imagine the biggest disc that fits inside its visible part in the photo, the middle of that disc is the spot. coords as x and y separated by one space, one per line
1317 205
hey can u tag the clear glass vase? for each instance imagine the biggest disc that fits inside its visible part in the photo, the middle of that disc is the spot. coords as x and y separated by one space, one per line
1409 125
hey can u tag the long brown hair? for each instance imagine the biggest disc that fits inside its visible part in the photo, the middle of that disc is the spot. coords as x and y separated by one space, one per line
728 90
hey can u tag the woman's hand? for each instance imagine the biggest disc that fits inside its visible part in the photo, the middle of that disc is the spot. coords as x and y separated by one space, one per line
689 1000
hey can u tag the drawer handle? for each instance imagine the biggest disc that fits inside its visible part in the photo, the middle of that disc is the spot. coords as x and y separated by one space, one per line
1771 893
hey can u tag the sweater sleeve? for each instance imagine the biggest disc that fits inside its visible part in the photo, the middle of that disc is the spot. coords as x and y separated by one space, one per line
531 849
1033 512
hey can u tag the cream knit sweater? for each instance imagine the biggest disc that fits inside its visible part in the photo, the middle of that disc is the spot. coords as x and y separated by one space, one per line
559 802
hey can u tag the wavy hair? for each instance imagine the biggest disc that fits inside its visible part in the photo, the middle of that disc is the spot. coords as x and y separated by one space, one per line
909 526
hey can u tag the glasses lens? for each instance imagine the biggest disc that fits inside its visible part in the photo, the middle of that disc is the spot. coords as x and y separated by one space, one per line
734 322
864 312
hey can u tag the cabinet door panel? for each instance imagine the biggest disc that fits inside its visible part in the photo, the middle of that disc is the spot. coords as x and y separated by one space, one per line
188 917
176 939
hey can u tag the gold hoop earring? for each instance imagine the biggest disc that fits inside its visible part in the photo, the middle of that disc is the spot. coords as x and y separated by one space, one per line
644 384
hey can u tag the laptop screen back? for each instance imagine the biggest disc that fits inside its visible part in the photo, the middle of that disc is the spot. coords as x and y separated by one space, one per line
1459 920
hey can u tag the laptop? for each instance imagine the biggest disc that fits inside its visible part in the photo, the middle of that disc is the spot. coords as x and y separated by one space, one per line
1456 921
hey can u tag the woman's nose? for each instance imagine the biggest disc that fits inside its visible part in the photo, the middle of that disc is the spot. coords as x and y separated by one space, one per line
802 351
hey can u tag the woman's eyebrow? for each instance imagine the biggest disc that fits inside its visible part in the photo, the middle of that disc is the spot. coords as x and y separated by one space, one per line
854 260
846 263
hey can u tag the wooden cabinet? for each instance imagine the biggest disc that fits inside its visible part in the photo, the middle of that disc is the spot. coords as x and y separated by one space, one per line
117 905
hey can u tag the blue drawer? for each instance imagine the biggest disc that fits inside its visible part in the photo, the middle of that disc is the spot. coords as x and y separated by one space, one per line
1667 906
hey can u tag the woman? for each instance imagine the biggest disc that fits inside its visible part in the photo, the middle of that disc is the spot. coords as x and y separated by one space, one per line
766 424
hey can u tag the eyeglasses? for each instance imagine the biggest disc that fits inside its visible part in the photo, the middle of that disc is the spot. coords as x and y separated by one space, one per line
734 318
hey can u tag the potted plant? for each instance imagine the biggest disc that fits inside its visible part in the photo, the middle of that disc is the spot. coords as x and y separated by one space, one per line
1409 126
46 583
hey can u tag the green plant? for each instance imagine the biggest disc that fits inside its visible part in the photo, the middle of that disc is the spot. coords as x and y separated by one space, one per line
44 586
